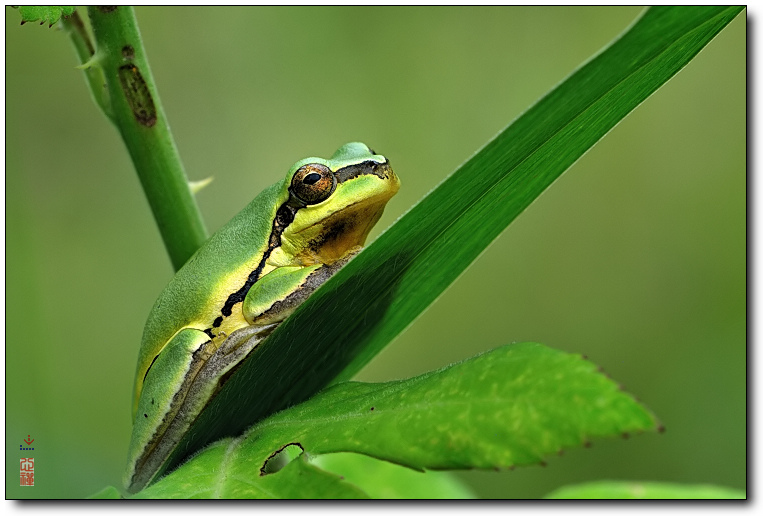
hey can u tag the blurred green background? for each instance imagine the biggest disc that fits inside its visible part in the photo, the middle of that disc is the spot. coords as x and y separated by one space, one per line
635 257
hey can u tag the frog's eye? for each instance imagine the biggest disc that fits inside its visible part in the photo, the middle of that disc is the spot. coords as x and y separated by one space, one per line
313 183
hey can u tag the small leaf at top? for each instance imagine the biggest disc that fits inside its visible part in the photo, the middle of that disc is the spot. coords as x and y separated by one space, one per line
49 14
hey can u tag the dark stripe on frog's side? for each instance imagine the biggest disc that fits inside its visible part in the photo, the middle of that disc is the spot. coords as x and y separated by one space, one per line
284 216
150 366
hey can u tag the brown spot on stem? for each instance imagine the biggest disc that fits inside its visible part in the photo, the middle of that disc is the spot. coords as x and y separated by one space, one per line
138 95
128 52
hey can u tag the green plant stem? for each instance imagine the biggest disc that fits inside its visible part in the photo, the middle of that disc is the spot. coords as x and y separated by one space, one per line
75 28
135 109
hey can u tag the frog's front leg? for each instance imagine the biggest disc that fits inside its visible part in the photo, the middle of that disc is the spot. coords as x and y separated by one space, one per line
277 294
165 386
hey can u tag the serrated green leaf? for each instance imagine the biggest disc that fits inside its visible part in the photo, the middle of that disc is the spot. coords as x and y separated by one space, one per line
49 14
510 406
645 490
388 285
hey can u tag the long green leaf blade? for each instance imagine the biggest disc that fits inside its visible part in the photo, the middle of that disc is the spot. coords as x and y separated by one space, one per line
361 309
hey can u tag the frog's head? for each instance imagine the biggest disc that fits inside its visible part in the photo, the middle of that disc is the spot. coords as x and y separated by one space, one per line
334 203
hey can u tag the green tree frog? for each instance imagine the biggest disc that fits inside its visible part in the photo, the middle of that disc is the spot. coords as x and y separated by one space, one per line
245 280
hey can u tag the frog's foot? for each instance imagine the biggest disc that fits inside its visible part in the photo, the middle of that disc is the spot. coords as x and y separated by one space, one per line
244 340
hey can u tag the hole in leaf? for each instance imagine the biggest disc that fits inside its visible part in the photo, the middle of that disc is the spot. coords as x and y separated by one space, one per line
280 458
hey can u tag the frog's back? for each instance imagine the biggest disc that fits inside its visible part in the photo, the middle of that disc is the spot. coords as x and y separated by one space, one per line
198 291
